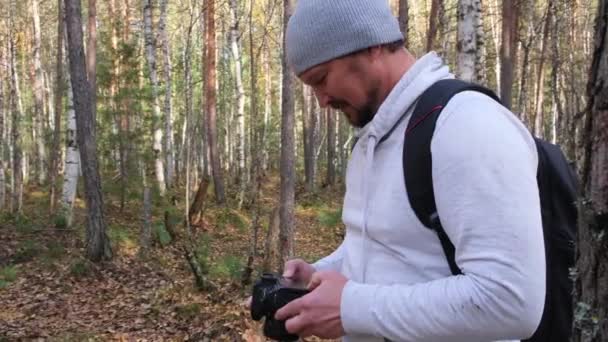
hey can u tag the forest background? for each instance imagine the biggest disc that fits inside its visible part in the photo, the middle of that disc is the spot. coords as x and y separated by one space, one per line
156 156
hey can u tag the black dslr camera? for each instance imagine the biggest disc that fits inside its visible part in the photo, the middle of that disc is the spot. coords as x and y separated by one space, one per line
270 293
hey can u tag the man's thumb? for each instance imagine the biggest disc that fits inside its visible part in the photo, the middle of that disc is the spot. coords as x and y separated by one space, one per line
315 280
288 272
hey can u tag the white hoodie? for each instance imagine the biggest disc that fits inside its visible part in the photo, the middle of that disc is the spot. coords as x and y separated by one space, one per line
484 174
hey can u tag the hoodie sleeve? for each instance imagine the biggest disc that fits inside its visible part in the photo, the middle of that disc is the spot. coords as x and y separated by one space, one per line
331 262
484 176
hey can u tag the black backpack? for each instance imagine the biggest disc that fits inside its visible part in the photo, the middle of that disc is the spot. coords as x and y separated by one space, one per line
558 193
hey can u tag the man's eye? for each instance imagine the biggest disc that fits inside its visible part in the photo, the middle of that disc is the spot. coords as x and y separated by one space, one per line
321 80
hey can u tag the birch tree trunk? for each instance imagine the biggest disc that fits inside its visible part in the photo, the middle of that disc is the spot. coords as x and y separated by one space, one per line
288 176
496 36
240 97
468 19
168 136
308 126
91 55
211 109
157 117
97 242
17 114
480 39
39 100
591 287
72 160
56 150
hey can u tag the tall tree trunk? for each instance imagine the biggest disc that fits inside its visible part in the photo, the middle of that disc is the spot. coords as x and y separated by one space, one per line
307 129
469 12
240 97
267 108
91 55
39 100
526 46
3 137
496 36
288 176
561 120
17 114
540 81
434 20
211 109
508 50
331 147
59 88
157 116
119 116
404 21
480 54
168 136
97 242
591 290
72 160
256 146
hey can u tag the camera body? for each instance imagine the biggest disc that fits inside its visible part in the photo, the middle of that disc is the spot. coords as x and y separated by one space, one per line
270 293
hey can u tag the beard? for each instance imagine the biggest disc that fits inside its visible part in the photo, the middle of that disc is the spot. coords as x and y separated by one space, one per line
359 116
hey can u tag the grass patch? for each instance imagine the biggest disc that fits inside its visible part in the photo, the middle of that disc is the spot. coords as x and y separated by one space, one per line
161 234
229 266
233 218
80 268
8 275
26 251
330 218
121 236
202 251
60 221
55 251
23 224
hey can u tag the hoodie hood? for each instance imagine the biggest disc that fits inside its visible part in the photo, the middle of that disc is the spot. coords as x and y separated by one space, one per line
398 105
426 71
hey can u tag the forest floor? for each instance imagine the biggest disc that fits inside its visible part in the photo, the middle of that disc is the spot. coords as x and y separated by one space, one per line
49 292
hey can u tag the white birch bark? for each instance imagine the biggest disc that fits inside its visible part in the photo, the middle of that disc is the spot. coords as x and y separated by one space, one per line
240 94
38 99
468 13
168 136
157 131
72 160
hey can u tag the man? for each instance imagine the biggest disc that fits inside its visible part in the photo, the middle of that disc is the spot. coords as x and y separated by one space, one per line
389 279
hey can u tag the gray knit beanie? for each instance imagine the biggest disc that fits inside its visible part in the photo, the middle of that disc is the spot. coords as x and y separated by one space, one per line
322 30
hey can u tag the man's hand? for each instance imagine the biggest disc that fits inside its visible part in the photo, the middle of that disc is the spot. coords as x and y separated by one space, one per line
317 313
298 270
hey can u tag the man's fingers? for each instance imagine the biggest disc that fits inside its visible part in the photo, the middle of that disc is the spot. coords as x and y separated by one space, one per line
291 309
315 280
297 325
290 269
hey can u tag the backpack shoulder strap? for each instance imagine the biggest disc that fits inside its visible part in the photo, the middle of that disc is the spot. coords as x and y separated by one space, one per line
417 161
